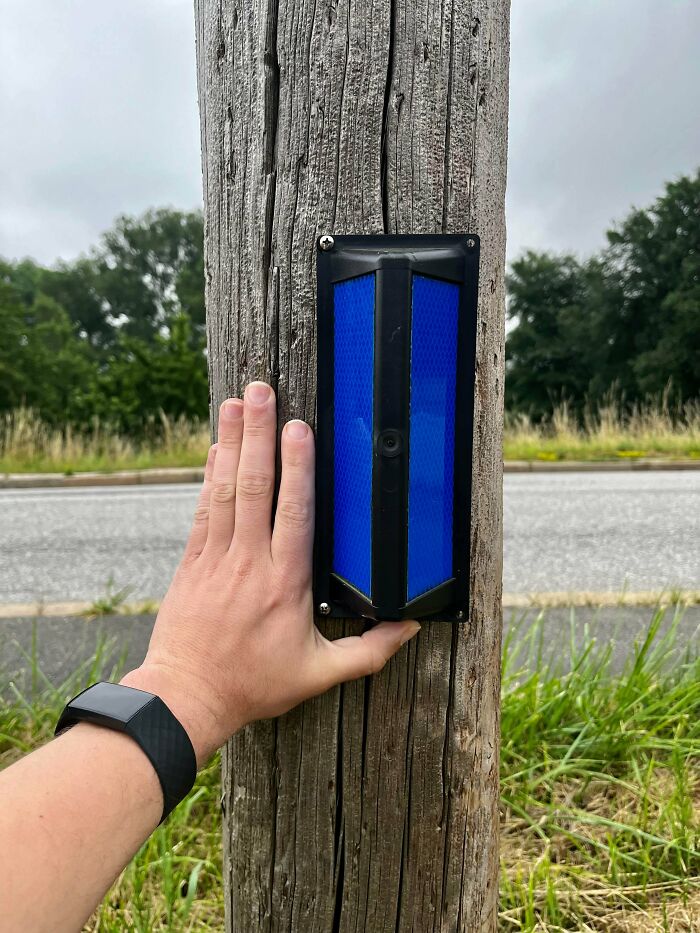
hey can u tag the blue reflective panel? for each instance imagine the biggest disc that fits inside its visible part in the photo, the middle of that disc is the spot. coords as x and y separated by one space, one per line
352 452
432 433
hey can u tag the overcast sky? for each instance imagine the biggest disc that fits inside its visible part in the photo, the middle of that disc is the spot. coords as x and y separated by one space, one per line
99 116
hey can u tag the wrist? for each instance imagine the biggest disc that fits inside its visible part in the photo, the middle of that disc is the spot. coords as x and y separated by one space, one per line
197 716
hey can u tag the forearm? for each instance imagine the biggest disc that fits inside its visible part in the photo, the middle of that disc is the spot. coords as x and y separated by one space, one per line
234 641
71 816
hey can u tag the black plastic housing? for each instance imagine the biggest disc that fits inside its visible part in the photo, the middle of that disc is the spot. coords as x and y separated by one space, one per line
395 259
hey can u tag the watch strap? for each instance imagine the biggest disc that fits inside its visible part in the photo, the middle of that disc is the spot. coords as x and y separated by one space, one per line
146 719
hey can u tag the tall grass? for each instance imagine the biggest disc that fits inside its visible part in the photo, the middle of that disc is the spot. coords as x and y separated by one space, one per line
609 431
600 784
27 444
600 796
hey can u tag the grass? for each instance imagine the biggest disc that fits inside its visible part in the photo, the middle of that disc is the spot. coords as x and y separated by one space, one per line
608 433
27 445
174 883
600 785
112 600
600 792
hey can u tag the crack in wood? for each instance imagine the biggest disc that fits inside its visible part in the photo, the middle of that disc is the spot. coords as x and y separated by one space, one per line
339 840
271 93
448 115
384 159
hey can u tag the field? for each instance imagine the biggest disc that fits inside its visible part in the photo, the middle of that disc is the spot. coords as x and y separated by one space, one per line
600 785
27 445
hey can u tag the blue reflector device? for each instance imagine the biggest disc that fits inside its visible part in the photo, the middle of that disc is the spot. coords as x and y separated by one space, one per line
396 367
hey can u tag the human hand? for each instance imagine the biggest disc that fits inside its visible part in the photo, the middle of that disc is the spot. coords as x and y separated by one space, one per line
235 638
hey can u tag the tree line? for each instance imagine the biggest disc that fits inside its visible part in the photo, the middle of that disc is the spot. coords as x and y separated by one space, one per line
116 335
626 319
119 334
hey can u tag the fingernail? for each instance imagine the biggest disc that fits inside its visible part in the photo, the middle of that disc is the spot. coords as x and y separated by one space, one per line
297 430
257 393
411 630
232 409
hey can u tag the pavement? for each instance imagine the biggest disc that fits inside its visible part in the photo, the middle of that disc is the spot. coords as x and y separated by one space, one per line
568 532
579 537
67 544
602 532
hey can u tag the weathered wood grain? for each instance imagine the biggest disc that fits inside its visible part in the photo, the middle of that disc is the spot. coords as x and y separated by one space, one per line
375 807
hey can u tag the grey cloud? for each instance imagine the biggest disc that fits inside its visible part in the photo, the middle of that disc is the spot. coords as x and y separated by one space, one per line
99 116
605 107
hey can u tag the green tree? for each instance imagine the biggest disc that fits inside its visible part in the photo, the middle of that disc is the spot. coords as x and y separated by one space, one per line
627 319
149 270
546 362
118 333
140 378
653 261
13 379
24 277
43 364
76 287
145 272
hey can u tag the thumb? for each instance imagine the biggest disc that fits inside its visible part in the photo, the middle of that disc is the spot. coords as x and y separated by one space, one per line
358 655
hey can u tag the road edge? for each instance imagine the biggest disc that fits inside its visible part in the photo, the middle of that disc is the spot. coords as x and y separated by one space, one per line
121 478
196 474
555 600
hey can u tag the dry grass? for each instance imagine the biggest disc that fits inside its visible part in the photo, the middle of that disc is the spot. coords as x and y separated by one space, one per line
609 432
550 881
28 445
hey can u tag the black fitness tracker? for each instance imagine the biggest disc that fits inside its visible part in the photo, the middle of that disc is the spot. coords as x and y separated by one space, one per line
148 721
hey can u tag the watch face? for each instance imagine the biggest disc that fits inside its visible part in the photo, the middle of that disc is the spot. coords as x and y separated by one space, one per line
115 700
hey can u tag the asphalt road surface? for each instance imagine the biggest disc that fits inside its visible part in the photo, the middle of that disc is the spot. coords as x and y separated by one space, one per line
563 532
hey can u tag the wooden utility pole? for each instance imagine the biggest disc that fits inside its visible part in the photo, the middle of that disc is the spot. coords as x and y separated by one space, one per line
373 808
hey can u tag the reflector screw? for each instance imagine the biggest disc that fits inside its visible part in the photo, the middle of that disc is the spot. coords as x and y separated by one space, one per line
471 243
324 608
326 242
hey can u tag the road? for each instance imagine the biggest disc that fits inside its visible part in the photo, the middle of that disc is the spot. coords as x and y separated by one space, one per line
601 531
563 532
